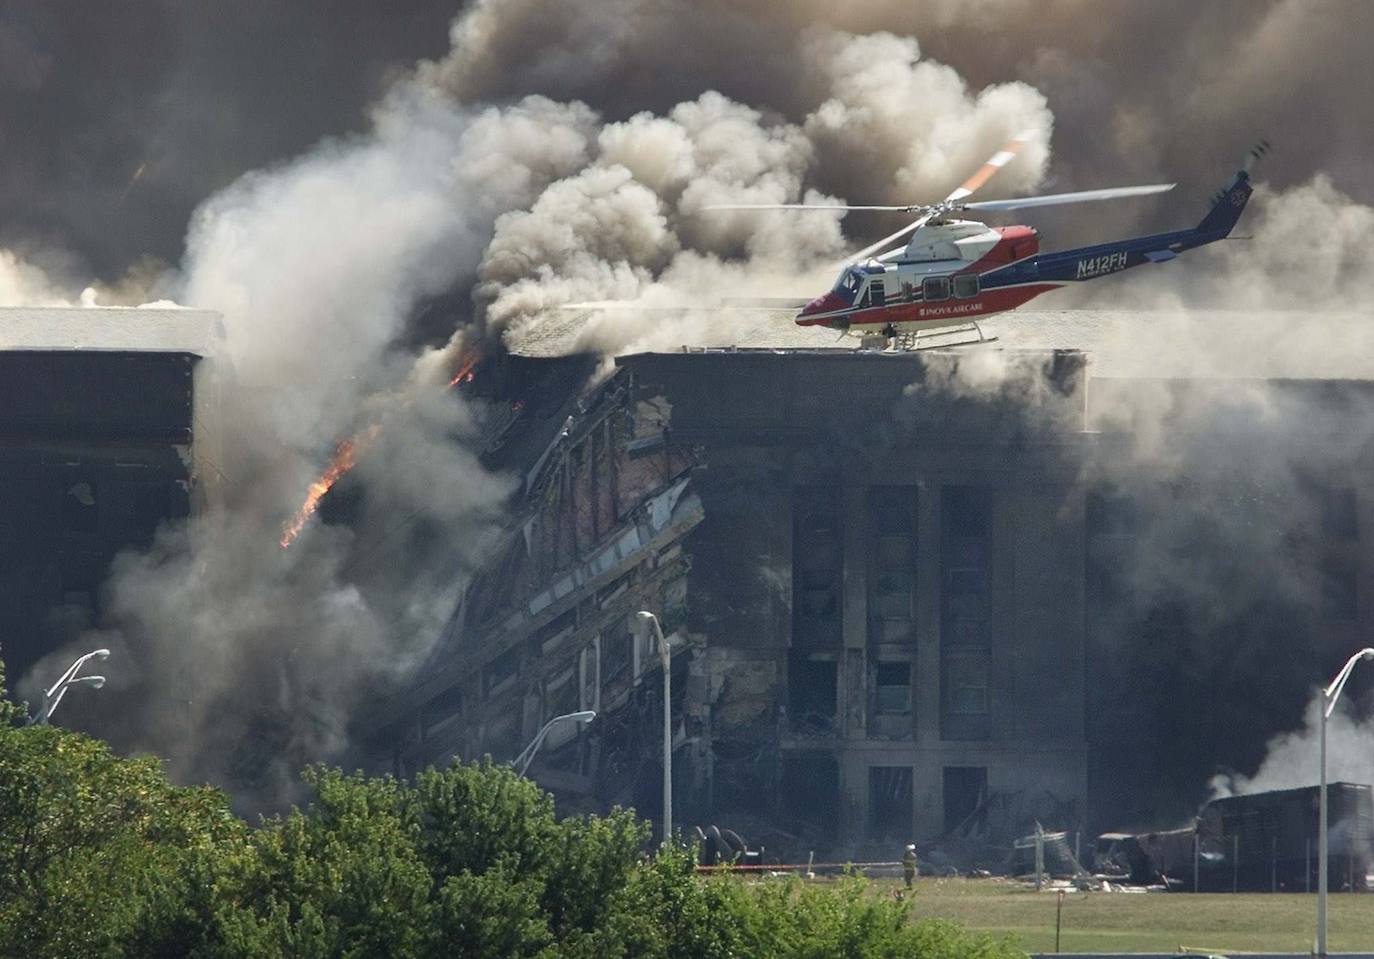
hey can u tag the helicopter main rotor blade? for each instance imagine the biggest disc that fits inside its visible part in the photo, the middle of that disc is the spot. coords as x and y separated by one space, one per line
911 227
1083 196
995 162
810 206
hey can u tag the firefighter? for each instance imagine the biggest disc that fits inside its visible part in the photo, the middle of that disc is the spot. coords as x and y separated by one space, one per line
909 864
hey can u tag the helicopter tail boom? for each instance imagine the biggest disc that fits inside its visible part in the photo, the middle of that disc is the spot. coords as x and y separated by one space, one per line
1091 262
1226 209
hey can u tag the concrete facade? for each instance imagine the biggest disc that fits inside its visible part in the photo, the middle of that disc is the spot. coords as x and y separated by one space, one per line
876 587
935 596
107 425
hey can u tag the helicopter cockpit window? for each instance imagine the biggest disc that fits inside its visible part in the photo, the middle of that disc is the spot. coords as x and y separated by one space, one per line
935 288
965 286
849 284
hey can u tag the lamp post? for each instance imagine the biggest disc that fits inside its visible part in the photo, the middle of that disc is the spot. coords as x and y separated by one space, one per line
59 689
1329 696
522 762
649 620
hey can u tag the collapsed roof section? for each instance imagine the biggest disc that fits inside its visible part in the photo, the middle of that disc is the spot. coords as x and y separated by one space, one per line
605 498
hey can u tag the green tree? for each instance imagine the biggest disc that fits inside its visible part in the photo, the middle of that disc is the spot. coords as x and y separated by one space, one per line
102 856
80 829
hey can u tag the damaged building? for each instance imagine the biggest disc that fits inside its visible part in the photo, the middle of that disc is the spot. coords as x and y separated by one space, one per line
867 577
107 429
903 604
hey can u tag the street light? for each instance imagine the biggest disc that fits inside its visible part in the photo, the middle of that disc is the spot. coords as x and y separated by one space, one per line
522 762
665 654
1329 696
59 689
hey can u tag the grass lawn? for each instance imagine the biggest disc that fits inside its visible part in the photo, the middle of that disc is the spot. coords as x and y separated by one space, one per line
1144 922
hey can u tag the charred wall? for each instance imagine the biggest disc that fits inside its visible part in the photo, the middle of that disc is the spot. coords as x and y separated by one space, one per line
95 452
888 585
908 598
874 582
549 626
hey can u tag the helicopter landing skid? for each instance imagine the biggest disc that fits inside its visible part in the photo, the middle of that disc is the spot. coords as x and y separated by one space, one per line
910 340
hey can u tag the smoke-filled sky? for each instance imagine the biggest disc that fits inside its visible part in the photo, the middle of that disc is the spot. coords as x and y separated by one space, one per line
196 93
365 190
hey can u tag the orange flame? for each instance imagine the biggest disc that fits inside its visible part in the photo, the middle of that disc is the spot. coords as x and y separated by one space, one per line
346 457
464 374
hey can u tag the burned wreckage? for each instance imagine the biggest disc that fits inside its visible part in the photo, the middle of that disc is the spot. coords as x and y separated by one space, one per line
886 585
833 561
1261 842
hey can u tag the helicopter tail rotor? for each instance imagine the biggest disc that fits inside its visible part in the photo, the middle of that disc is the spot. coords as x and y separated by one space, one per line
1255 154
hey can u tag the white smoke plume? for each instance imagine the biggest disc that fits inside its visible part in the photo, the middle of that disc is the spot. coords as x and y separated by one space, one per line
250 658
1293 759
27 282
633 226
564 151
24 284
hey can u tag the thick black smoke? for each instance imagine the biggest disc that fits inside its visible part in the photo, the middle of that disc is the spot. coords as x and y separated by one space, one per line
118 118
555 150
193 94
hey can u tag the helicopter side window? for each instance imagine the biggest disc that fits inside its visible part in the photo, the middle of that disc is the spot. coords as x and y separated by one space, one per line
849 284
965 286
935 288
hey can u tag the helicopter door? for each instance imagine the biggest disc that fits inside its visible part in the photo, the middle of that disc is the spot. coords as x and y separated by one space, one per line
876 294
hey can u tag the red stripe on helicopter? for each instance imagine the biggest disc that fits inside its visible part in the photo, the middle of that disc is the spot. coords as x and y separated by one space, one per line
1017 243
985 304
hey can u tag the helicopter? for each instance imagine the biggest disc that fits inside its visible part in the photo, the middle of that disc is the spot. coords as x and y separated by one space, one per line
953 272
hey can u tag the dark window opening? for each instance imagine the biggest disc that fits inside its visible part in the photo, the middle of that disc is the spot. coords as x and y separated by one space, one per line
877 295
966 793
501 739
811 787
590 664
964 697
935 288
966 560
817 566
889 802
557 628
965 286
968 510
965 612
561 696
893 684
151 505
613 590
79 511
440 710
617 654
500 669
79 581
812 694
892 564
